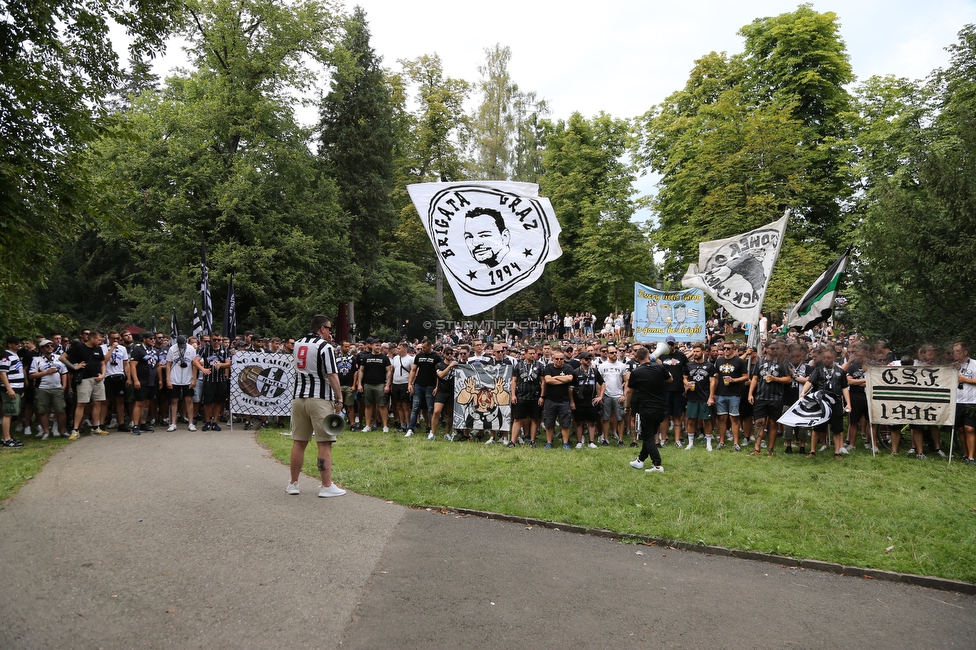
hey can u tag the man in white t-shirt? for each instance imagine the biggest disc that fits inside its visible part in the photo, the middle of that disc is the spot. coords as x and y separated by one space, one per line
965 400
116 377
180 380
402 364
613 370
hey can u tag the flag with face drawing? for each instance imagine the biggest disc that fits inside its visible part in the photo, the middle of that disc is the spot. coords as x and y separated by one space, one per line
735 271
492 238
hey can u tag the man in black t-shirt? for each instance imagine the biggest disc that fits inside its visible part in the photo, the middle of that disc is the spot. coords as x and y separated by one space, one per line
347 365
444 393
557 398
88 361
830 378
700 381
213 362
766 387
588 387
676 364
376 379
645 390
728 392
145 372
422 382
526 396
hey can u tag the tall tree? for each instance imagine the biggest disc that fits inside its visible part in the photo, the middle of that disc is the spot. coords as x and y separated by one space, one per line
590 186
919 206
218 155
356 142
493 126
57 66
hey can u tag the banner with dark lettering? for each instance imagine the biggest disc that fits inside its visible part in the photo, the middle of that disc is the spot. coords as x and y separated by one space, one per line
659 314
483 397
735 271
261 383
492 238
916 395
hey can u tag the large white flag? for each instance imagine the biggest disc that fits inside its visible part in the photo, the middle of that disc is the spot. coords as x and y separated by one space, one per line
813 409
493 238
735 271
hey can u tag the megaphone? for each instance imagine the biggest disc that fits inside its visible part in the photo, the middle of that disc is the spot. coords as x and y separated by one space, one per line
661 350
334 424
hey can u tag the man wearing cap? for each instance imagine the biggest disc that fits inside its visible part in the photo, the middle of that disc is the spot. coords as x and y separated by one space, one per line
180 380
52 380
12 376
676 363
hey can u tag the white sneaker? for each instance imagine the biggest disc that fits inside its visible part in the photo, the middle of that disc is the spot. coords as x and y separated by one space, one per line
823 448
367 429
407 434
292 488
579 445
843 450
448 437
690 445
708 447
287 434
430 436
171 427
331 491
592 445
386 429
191 427
637 464
655 468
43 435
489 441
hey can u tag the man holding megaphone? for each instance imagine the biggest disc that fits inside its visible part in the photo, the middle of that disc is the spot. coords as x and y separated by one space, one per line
317 396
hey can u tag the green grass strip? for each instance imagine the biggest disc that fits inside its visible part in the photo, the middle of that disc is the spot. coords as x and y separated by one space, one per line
17 466
896 514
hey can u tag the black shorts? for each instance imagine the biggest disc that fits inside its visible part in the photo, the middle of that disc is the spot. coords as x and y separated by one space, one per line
215 392
674 403
836 422
767 410
179 391
526 409
400 393
146 393
444 397
553 412
965 416
114 386
588 414
746 409
859 407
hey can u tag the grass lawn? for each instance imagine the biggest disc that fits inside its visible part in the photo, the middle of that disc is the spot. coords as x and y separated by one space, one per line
17 466
898 514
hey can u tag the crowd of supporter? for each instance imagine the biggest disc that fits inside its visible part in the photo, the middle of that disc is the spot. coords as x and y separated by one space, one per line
570 386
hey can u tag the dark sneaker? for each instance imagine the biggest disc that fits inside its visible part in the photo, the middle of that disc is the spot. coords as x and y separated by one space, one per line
124 429
135 431
148 429
206 426
12 444
216 427
247 425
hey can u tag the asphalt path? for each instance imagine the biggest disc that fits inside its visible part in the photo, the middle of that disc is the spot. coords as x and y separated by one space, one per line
188 540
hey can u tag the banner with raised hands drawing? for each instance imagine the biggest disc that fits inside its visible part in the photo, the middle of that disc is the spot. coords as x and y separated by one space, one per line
492 238
482 397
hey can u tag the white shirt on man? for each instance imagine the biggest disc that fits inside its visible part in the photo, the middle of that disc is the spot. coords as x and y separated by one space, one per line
178 375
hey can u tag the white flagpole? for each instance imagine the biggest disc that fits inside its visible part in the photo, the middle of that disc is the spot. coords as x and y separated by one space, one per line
952 439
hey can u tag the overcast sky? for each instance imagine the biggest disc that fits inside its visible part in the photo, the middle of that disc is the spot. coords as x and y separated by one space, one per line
624 56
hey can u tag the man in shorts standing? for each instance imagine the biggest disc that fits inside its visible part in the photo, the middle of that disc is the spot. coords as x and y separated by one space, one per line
769 379
12 376
52 380
526 397
88 359
181 380
728 392
557 398
213 363
700 381
347 364
317 396
376 379
145 373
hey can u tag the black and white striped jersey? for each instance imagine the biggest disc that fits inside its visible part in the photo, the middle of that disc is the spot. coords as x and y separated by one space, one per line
314 362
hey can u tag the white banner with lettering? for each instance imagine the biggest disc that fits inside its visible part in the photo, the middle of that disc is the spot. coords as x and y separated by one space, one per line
915 395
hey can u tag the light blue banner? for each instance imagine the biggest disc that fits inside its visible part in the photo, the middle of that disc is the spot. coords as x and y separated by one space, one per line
659 314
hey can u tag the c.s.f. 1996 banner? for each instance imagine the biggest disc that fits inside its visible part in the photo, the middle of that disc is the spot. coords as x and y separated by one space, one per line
917 395
482 397
659 314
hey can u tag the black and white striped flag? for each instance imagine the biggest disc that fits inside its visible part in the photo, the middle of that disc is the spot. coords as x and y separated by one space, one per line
206 304
230 312
197 325
174 325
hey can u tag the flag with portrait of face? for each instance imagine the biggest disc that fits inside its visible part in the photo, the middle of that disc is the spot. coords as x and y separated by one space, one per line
492 238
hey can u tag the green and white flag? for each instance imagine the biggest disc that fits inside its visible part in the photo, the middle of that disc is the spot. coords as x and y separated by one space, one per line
817 303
